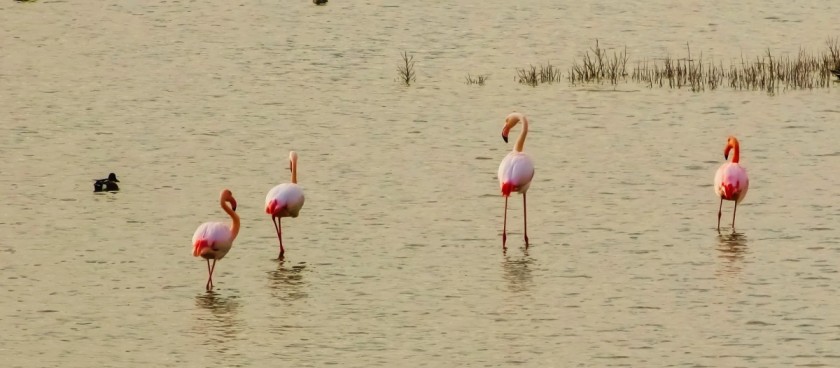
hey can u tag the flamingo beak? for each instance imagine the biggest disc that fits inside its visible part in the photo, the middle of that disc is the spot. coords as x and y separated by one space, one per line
726 152
505 132
233 204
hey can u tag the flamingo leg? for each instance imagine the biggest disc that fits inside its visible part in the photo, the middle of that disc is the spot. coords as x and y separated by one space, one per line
719 209
733 216
210 270
525 211
279 235
504 226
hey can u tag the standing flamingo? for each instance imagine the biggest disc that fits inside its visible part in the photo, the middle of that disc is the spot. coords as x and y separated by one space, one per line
731 181
285 200
213 240
516 170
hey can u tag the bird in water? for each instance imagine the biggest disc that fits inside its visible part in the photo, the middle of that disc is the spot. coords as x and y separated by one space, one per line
285 200
213 240
731 181
106 185
516 170
319 2
836 72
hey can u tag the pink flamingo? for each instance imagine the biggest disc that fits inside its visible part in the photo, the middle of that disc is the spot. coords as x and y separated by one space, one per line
731 181
213 240
285 200
516 170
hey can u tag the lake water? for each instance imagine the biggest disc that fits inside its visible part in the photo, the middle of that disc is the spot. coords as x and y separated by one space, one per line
396 257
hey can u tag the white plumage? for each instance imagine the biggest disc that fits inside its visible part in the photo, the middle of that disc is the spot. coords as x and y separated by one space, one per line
284 200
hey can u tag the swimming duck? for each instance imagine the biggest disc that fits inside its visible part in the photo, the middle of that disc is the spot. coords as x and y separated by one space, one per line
106 185
836 72
319 2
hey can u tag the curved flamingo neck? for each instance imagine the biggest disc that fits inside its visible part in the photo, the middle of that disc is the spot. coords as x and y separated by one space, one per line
294 169
520 142
736 156
234 226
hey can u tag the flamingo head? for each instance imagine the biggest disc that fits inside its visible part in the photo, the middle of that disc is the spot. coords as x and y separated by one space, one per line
292 159
731 143
227 196
510 121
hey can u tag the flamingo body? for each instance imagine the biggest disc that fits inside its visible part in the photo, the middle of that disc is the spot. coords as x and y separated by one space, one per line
212 240
515 173
731 182
284 200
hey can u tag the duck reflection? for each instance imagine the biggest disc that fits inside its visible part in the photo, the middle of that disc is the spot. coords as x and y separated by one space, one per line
221 325
731 250
517 272
287 281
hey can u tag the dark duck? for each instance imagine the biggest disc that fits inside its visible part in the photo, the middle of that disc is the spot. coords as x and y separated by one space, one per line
836 72
319 2
107 185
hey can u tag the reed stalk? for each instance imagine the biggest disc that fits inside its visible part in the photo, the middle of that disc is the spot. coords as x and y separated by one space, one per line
478 79
406 69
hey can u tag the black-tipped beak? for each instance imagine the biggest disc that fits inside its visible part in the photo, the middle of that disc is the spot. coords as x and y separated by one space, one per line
726 155
504 137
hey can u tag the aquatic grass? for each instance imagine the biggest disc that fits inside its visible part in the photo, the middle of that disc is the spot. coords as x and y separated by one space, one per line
478 79
599 66
768 72
406 69
532 76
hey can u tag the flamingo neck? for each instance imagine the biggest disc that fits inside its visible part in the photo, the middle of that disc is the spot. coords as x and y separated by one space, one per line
736 156
294 170
520 142
234 226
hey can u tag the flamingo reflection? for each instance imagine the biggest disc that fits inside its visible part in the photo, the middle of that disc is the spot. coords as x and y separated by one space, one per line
731 250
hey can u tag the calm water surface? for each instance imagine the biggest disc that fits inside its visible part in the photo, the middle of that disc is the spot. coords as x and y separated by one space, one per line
396 258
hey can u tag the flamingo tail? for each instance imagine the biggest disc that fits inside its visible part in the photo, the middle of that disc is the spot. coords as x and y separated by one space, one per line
199 245
507 187
274 207
728 191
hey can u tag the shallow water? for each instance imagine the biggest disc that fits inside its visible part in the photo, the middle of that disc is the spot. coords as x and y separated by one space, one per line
396 258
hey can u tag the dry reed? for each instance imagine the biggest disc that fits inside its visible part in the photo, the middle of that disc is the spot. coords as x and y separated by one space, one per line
532 76
406 69
478 79
769 73
599 66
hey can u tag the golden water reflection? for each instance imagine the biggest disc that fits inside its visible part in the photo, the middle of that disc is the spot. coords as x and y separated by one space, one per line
731 249
287 281
517 272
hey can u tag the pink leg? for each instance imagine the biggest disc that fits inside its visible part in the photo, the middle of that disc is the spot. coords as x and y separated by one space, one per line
733 216
504 226
719 209
279 235
210 270
525 211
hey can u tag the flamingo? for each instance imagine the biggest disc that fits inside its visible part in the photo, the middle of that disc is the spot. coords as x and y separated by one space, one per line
516 170
213 240
285 200
731 181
